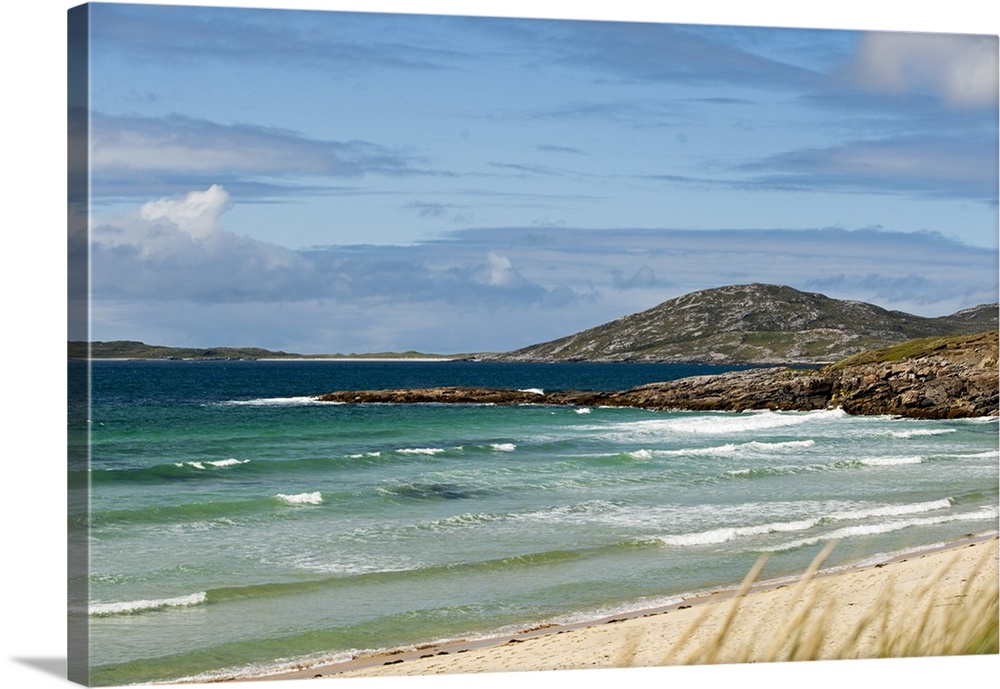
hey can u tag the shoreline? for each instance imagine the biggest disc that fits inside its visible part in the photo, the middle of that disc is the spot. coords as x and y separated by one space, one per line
638 637
337 359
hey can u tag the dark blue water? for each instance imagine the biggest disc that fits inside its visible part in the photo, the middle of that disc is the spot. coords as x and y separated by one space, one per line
177 381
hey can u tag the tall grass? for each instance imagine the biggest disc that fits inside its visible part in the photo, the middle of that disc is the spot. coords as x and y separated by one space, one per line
946 619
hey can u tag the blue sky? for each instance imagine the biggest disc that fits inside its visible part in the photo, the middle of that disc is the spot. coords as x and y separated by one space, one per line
321 181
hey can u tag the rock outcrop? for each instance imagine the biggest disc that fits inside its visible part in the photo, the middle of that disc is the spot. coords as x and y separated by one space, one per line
951 378
933 378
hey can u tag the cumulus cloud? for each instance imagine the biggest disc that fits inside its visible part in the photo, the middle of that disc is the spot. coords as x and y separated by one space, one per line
168 226
501 271
177 248
960 69
197 214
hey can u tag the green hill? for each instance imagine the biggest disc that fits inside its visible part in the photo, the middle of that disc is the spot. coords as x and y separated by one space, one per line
754 323
130 349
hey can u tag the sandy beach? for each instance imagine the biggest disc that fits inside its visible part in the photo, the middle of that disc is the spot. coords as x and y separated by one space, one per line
858 611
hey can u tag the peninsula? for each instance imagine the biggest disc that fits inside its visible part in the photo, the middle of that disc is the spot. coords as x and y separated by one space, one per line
929 378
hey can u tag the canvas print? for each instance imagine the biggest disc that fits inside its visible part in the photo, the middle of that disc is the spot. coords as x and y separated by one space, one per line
418 344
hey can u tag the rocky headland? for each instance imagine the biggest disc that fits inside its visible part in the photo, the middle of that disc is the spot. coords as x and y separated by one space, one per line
929 378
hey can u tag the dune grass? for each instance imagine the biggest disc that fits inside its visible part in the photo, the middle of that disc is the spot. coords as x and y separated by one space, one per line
945 621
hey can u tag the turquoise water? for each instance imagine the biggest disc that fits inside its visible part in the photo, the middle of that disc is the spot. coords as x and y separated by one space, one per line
237 525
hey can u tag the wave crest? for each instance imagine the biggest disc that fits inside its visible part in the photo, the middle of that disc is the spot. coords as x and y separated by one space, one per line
137 606
314 498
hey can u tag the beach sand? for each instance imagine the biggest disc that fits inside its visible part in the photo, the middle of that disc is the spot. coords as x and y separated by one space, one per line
837 604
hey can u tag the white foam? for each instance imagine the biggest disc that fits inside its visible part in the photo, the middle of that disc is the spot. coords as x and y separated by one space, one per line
128 607
749 471
725 534
886 527
228 462
727 449
259 670
584 512
421 450
504 447
892 510
917 432
716 423
315 498
536 391
752 421
582 410
890 461
467 519
730 449
784 445
987 454
275 402
220 463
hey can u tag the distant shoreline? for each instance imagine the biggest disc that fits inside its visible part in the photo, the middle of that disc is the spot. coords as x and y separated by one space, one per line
343 359
337 359
133 350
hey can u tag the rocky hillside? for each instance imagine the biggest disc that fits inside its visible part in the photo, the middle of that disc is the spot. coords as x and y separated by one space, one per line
933 378
753 323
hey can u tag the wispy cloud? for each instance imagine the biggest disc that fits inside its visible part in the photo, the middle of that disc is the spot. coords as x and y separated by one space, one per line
286 38
668 53
924 165
184 144
553 148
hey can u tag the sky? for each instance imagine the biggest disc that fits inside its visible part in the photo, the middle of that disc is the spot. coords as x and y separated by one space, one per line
340 181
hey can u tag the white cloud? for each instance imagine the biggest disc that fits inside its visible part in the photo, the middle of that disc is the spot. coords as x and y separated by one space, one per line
197 214
501 271
177 248
961 69
186 228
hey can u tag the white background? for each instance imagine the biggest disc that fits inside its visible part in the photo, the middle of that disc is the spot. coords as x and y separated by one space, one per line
33 253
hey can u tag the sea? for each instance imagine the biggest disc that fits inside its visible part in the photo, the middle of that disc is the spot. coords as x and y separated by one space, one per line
237 527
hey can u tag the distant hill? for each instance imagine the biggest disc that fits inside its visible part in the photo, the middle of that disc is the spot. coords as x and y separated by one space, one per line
131 349
755 323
